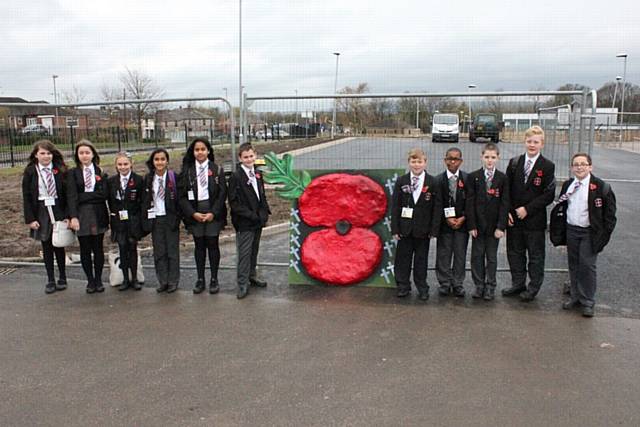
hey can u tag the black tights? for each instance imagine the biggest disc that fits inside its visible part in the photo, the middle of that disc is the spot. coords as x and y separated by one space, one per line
47 253
89 245
129 258
203 244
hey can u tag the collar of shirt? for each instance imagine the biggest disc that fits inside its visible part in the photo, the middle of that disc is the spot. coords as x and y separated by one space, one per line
127 176
42 167
163 176
533 159
247 170
449 174
584 181
418 176
486 171
200 165
90 167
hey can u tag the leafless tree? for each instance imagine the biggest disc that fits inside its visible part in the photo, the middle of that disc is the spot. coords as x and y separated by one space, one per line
138 85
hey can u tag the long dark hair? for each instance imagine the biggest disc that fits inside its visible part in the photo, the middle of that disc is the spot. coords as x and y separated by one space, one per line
189 158
45 144
86 143
149 161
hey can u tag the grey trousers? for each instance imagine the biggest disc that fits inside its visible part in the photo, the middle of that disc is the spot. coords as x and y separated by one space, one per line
166 252
582 265
248 244
484 248
451 245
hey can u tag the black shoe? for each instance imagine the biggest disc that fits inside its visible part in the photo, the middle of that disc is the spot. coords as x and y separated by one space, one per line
444 291
61 285
489 293
162 288
172 288
91 288
403 293
199 287
125 285
423 295
458 291
568 305
242 292
258 283
214 288
478 292
513 291
527 296
136 285
587 311
50 288
99 287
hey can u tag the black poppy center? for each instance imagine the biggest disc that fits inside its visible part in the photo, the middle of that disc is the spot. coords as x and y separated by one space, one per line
343 227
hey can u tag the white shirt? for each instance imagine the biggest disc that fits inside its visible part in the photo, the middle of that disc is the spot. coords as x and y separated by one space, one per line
578 208
43 191
253 181
203 191
418 190
90 188
533 159
124 180
158 203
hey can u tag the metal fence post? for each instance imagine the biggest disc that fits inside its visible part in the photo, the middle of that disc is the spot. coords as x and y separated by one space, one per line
13 160
186 138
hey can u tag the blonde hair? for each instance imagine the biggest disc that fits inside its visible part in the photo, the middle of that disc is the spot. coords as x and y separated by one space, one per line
121 154
534 130
416 153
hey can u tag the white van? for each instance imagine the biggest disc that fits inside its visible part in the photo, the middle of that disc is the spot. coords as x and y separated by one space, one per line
445 127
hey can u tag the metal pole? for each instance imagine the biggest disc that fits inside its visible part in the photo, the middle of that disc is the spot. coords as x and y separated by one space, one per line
583 109
417 113
55 100
296 106
335 101
240 97
624 83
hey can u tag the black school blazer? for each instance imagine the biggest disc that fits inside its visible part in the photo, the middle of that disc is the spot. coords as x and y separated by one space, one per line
31 192
602 211
442 181
131 202
247 212
425 221
535 195
76 195
188 181
171 199
487 210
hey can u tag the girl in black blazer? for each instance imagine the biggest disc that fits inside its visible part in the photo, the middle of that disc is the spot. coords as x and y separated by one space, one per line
43 186
87 194
125 193
202 192
161 213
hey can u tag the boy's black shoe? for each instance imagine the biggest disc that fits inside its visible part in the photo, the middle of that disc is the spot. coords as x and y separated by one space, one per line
444 290
214 287
478 292
587 311
172 288
403 293
458 291
527 296
513 291
50 288
258 283
489 293
199 287
162 288
61 285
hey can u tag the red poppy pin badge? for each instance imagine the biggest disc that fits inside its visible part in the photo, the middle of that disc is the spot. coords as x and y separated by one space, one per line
258 176
131 183
210 172
460 184
539 173
55 171
491 191
425 188
98 178
593 187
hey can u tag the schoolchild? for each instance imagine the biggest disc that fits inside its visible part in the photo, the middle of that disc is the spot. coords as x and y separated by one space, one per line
249 214
161 211
125 198
43 195
202 192
87 194
487 212
413 223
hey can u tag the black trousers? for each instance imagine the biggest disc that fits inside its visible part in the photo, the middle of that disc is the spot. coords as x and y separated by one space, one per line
582 265
412 251
92 245
203 245
248 245
451 246
484 260
166 252
520 244
128 258
48 251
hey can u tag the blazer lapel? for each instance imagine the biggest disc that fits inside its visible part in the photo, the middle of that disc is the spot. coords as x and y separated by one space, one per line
248 188
532 174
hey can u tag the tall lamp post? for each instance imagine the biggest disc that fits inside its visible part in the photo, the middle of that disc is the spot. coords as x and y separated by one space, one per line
615 91
55 101
624 83
335 90
240 88
296 107
469 87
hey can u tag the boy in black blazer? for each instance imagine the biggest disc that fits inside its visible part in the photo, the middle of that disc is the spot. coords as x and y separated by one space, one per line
532 186
591 218
487 213
413 223
249 214
452 238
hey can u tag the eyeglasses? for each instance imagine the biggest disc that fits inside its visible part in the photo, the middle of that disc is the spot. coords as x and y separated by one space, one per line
580 165
453 159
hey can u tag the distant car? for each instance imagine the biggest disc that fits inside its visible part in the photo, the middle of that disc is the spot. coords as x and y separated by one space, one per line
485 126
445 127
35 130
262 135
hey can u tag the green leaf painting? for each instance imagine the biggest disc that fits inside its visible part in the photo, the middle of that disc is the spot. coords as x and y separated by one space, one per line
281 172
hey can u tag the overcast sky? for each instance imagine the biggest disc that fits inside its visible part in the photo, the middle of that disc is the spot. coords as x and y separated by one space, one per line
190 47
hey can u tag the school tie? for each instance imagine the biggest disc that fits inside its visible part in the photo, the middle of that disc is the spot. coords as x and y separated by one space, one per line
568 194
252 181
87 179
527 170
124 183
160 188
489 178
202 175
453 183
414 182
51 185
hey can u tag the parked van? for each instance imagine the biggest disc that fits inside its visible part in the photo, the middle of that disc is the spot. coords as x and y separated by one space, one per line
445 127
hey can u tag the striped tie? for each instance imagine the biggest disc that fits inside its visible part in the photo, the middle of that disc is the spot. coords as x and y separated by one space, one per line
414 182
87 179
527 170
568 194
202 176
489 178
51 185
160 188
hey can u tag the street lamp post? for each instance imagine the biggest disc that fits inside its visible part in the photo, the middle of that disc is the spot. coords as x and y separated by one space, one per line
417 113
469 87
55 101
296 107
624 83
240 99
335 101
615 91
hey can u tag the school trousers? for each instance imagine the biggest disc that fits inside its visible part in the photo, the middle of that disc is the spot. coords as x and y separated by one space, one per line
451 244
484 260
520 243
248 244
582 265
412 250
166 252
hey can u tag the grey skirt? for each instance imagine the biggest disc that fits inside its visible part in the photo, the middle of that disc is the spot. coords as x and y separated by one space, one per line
205 229
45 231
89 221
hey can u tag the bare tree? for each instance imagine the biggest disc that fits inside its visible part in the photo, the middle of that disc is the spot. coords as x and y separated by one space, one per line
139 86
74 96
